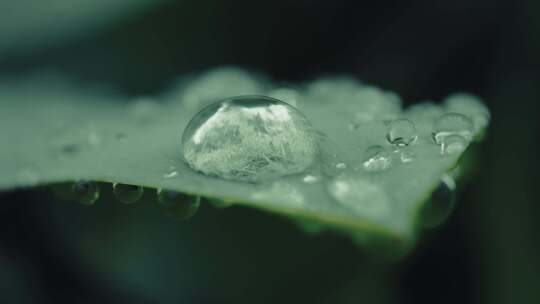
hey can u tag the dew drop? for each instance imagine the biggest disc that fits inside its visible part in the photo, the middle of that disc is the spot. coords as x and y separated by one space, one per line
377 158
126 193
178 205
439 207
452 124
359 195
249 138
401 132
453 144
85 192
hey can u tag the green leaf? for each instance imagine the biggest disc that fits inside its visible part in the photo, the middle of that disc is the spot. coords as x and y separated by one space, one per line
58 132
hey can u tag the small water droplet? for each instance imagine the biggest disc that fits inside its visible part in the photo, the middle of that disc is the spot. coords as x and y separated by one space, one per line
377 158
452 124
310 179
171 173
359 195
85 192
178 205
440 206
341 166
126 193
453 144
401 132
249 138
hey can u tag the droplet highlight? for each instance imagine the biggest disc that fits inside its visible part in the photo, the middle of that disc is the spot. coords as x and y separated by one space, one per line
401 132
452 124
178 205
249 138
453 144
85 192
127 194
376 159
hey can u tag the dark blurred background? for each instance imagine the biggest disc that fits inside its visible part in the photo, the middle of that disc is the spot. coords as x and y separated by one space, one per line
488 251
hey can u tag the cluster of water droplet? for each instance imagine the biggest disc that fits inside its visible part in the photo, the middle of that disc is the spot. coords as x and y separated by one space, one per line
177 205
256 138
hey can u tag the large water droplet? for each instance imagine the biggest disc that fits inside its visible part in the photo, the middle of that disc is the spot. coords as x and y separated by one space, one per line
453 144
127 194
359 195
377 158
85 192
439 207
249 138
452 124
178 205
401 132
